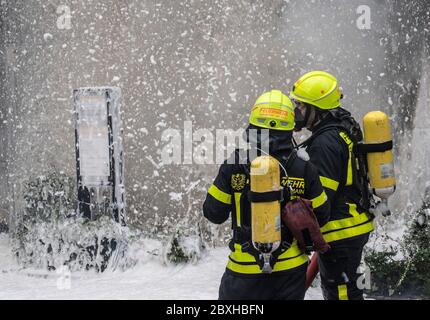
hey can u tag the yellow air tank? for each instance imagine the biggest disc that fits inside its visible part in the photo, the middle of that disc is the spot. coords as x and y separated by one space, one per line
380 164
266 215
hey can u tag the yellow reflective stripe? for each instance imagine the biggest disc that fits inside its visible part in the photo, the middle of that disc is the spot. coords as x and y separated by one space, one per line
329 183
349 233
279 266
219 195
345 223
353 209
350 147
319 201
349 177
293 251
343 292
240 256
237 203
294 255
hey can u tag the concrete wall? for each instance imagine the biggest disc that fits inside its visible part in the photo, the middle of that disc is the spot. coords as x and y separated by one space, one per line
203 61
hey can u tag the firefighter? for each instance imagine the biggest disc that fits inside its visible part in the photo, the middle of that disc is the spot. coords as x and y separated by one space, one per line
273 113
317 97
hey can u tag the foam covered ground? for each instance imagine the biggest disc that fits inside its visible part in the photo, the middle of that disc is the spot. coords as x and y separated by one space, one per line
148 280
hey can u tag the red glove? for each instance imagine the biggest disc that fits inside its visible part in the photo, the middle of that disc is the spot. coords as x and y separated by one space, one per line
299 217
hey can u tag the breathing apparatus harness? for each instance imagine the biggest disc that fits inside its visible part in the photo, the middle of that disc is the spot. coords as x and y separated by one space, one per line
242 234
347 124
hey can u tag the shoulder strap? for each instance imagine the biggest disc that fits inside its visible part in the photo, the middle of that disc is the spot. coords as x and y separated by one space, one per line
315 134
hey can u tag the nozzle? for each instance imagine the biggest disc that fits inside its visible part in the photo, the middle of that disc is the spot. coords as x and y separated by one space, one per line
382 208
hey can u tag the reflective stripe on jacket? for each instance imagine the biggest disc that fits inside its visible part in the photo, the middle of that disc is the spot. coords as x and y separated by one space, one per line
228 194
331 153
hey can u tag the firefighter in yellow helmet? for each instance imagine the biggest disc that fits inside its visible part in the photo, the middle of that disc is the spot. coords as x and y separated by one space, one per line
331 149
271 124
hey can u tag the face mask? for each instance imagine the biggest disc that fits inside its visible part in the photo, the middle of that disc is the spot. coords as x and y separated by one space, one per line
265 141
299 119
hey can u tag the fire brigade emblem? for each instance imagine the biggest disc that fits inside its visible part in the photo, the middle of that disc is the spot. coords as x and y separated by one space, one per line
238 181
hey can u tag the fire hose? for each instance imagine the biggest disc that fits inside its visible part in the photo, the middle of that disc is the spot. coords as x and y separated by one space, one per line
312 271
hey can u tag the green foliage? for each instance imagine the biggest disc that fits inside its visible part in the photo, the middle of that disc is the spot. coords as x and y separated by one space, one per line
4 215
48 197
50 235
182 248
409 276
385 270
176 253
417 244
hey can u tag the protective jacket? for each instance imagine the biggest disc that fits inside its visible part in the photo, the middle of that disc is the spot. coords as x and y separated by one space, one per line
229 195
331 151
